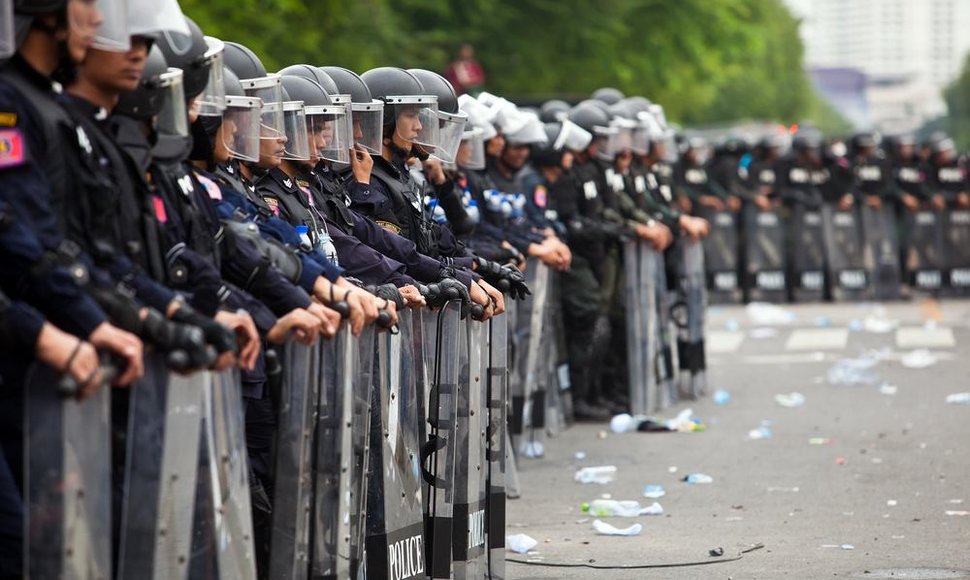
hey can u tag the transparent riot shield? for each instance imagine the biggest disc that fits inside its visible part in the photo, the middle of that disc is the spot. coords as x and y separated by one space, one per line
162 448
225 438
548 381
924 255
663 365
293 481
468 547
689 316
532 369
343 435
636 328
882 251
395 519
649 262
957 251
443 335
764 268
498 451
67 492
721 249
844 254
806 254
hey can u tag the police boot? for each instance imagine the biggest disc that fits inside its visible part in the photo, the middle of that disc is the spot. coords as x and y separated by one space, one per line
586 411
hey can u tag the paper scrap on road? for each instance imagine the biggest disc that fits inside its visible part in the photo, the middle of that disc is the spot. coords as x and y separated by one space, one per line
654 491
919 359
790 400
520 543
606 529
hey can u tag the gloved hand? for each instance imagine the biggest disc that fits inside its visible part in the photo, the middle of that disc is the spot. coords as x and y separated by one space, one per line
437 294
183 344
515 279
388 292
217 335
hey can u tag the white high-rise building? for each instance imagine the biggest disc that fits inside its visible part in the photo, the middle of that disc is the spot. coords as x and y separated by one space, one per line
909 49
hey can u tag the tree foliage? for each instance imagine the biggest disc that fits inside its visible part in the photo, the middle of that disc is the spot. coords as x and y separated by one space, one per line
957 97
704 60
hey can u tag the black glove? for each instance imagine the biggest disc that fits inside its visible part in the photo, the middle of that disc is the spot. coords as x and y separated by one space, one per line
515 279
183 344
437 294
388 292
220 337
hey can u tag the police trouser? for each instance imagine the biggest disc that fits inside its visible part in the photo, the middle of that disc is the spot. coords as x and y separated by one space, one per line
580 307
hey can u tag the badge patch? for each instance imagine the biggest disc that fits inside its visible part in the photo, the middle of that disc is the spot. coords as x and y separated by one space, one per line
540 196
274 204
8 119
11 148
210 187
388 226
159 206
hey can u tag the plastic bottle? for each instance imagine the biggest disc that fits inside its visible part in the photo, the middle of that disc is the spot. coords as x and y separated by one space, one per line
473 213
601 474
721 397
602 508
698 478
304 233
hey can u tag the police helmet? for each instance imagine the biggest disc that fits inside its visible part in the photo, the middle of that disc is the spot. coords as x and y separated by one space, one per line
608 95
145 101
437 85
348 83
231 82
314 74
190 53
243 61
589 116
553 111
297 88
806 140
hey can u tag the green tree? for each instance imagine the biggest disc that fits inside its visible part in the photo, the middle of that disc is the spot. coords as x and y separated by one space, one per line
957 97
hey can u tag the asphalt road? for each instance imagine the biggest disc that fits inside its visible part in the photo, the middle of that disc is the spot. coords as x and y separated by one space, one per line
873 498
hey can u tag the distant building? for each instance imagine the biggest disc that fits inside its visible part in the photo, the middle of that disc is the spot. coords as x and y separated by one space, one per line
908 50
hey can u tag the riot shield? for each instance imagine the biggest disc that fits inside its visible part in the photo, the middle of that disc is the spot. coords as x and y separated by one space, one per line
844 254
67 492
498 452
924 256
721 248
162 447
764 268
957 252
395 522
529 393
225 438
343 434
689 316
468 547
663 365
442 340
806 254
639 296
882 251
546 375
293 485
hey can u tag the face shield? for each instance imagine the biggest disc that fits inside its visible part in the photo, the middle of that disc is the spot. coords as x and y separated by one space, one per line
471 150
149 17
212 101
294 127
640 139
7 37
270 90
241 127
113 34
416 119
173 119
327 133
624 135
531 132
606 141
367 125
572 137
450 130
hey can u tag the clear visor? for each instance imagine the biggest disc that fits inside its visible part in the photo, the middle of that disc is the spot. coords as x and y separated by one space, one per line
606 141
450 130
173 119
416 120
367 126
240 127
471 151
113 33
624 135
327 131
149 17
7 38
297 146
572 137
270 90
641 140
531 132
212 101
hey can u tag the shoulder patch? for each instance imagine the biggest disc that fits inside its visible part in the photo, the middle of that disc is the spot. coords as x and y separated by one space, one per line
540 196
388 226
11 148
211 187
274 204
8 119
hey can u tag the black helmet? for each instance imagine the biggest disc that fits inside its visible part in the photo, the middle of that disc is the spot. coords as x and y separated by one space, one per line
553 111
608 95
191 54
864 139
546 154
437 85
243 62
38 7
386 82
311 93
622 110
638 103
234 88
314 74
145 102
349 83
589 116
939 142
808 139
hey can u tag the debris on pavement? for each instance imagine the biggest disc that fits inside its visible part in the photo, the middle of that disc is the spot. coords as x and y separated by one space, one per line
918 359
684 422
957 513
853 371
840 460
762 432
716 552
790 400
766 314
606 529
654 491
887 389
604 508
520 543
839 546
580 455
878 322
784 489
602 474
958 399
698 478
819 441
721 397
763 333
533 450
